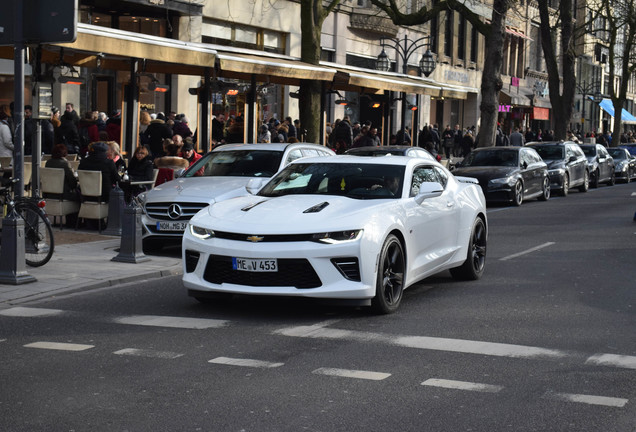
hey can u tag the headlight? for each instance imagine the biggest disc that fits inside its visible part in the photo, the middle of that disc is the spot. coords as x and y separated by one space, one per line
337 236
621 166
559 171
200 232
503 180
141 198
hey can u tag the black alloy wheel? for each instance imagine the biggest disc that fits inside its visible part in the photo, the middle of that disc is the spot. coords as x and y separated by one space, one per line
612 180
390 278
594 179
475 263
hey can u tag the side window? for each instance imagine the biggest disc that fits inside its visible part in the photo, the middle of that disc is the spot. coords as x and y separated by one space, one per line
442 177
293 155
568 152
423 174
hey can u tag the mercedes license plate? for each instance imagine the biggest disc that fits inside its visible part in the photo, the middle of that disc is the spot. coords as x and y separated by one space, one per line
255 264
171 226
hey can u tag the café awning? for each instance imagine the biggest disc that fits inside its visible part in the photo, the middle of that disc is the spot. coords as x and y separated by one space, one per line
274 69
162 55
366 80
510 97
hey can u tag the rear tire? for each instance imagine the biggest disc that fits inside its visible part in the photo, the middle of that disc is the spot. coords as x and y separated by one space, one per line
475 263
612 180
390 278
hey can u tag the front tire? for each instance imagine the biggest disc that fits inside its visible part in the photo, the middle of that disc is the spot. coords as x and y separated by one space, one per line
594 180
517 199
586 183
475 263
612 180
545 189
390 278
566 185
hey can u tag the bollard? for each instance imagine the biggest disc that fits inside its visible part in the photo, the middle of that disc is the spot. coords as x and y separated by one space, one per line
130 249
12 260
116 206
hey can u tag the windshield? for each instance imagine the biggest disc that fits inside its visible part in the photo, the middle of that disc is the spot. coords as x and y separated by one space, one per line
482 158
237 163
360 181
550 152
617 153
589 151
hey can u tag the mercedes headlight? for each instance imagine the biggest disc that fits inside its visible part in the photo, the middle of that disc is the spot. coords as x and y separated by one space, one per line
337 236
621 166
200 232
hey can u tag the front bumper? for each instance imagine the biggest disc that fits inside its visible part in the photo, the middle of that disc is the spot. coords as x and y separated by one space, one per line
333 271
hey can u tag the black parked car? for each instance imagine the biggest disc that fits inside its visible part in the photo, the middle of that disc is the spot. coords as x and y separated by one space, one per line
511 174
397 150
625 163
567 165
600 164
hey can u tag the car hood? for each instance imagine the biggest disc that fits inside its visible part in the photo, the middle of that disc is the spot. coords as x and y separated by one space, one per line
485 173
552 164
292 214
199 189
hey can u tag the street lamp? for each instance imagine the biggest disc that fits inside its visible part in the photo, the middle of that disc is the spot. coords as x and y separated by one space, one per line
404 48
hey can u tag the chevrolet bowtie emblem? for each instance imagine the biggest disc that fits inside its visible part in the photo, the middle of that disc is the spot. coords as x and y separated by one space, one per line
255 239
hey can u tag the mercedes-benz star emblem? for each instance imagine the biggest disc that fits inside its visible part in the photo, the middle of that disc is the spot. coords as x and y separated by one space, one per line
175 211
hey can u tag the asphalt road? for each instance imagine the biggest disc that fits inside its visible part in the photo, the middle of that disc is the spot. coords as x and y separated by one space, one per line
545 341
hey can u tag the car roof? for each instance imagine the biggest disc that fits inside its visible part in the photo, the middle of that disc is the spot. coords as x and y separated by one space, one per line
268 146
498 148
554 143
350 159
380 148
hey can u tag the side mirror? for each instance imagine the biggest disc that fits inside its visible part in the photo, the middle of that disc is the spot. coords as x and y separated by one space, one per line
255 184
427 191
572 159
524 165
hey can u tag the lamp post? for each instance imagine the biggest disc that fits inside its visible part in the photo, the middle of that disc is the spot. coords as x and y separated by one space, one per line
404 48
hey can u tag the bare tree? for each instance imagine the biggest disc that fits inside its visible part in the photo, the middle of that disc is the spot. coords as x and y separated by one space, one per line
312 16
620 19
560 62
494 33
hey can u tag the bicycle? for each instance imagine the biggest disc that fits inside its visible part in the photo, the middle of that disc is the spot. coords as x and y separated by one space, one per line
38 233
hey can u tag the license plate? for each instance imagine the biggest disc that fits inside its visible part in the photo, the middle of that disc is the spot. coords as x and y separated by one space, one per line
171 226
255 264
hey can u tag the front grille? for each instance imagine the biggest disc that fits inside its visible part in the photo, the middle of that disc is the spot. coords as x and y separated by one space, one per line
263 238
160 210
295 272
191 260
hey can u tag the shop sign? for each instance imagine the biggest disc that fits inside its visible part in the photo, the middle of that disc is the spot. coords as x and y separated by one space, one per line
456 76
540 113
505 108
514 81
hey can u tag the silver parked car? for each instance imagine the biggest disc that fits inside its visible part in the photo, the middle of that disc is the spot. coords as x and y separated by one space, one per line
219 175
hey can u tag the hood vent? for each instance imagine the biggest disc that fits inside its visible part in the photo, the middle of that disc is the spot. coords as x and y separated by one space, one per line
317 208
251 206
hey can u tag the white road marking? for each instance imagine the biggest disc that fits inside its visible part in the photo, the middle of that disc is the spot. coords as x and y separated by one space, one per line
169 321
148 353
622 361
462 385
350 373
429 343
587 399
29 312
59 346
477 347
536 248
245 362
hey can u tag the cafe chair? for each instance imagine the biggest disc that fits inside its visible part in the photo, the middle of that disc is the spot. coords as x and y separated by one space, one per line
5 161
53 190
93 205
74 165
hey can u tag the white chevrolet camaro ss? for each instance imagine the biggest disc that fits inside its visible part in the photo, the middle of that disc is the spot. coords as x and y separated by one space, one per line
344 227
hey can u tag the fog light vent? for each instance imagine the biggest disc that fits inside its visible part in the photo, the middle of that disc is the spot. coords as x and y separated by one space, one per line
191 260
348 267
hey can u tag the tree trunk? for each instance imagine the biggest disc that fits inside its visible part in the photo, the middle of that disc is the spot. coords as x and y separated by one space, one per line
491 82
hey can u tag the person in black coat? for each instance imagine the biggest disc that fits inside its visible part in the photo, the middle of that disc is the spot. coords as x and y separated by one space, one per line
155 133
67 133
97 160
140 168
